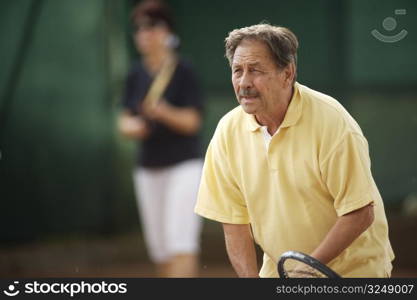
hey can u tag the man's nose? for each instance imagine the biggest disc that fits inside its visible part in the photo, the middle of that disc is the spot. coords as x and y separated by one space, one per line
246 81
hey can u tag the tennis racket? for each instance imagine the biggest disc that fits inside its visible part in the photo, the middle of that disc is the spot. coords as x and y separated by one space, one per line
161 81
293 264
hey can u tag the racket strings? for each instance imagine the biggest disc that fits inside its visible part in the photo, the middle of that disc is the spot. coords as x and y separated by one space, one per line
305 274
297 269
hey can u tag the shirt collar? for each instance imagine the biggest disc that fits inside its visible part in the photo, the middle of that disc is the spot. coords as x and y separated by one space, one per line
291 116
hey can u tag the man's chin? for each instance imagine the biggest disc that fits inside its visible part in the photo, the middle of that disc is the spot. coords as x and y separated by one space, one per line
249 109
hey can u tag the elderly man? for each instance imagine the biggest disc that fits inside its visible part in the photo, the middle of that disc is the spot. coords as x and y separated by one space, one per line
289 168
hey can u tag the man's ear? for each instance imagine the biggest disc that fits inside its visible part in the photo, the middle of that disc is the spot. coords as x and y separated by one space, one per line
289 73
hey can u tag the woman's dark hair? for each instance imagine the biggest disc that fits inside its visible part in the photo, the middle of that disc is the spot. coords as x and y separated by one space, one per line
154 12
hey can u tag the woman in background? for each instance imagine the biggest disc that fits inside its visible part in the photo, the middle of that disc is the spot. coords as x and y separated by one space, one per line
169 157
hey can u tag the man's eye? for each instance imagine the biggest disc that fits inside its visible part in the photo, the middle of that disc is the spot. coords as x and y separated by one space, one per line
237 72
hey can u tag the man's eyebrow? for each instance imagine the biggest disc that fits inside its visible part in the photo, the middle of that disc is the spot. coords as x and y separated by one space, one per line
253 64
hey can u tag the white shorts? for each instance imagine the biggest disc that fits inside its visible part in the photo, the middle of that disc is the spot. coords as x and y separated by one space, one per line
166 199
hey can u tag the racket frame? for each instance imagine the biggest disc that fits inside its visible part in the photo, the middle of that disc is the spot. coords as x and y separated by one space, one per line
308 260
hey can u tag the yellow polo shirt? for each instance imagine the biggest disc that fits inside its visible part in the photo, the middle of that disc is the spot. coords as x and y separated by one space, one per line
316 168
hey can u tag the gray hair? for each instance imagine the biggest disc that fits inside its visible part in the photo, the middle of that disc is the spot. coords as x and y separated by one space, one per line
281 41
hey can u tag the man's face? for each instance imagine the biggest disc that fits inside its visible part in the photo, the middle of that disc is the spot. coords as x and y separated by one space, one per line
257 80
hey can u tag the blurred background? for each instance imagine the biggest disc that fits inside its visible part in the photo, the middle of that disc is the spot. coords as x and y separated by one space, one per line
67 204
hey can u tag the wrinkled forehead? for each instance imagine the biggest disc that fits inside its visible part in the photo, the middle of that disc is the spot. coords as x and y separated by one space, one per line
252 52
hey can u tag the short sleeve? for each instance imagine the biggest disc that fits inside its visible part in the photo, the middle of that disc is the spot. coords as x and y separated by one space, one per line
219 196
347 174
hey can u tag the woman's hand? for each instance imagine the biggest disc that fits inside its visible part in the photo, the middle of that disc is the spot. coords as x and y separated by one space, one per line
183 120
133 127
